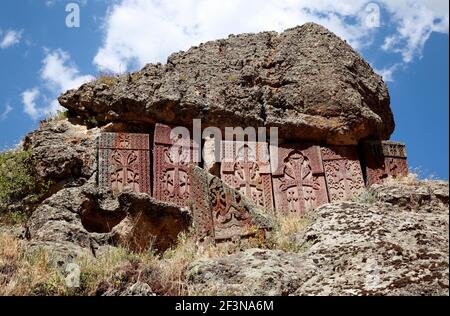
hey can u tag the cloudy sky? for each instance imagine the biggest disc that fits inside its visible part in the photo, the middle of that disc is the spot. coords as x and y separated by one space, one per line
41 55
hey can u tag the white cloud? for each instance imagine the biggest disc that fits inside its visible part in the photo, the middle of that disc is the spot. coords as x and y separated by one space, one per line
6 111
415 21
10 38
139 31
58 74
388 72
29 103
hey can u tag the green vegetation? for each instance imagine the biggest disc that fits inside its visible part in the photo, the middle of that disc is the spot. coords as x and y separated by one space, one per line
16 179
366 197
18 183
58 116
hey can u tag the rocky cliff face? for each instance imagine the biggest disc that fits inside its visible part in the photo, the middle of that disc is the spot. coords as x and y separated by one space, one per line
395 243
391 240
306 81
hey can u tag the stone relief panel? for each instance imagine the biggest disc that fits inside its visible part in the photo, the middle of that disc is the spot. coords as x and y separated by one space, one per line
124 162
199 203
220 211
299 180
384 159
343 173
245 167
171 160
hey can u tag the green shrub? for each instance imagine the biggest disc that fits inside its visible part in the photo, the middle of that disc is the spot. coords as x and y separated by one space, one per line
366 197
18 183
58 116
16 179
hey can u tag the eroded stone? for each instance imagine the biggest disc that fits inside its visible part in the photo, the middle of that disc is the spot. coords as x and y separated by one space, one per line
384 159
246 167
171 160
343 172
221 212
299 181
124 162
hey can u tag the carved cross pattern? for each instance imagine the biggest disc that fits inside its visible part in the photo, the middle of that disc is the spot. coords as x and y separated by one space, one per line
124 174
340 179
227 210
298 182
246 178
175 176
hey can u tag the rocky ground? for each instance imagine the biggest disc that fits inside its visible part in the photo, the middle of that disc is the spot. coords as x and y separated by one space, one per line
393 240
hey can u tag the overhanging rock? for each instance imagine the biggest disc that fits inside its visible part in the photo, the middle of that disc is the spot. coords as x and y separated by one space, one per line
306 81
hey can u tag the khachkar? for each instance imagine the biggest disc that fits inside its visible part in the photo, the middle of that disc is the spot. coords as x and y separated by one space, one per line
124 162
245 166
299 180
384 159
220 212
343 172
171 159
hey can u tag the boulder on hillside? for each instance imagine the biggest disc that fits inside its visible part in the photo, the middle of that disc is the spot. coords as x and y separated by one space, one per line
377 246
306 81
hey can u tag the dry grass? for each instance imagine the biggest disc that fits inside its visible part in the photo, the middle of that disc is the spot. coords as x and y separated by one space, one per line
288 227
108 79
410 179
26 272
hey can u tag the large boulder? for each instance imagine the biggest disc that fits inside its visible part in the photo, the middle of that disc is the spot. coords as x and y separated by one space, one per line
63 153
306 81
388 244
81 221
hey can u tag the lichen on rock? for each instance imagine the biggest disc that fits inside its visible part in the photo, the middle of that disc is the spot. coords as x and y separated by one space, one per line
306 81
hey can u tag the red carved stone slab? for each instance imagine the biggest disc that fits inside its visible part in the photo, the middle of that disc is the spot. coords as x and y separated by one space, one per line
246 167
220 211
343 172
384 159
299 180
199 203
171 159
124 162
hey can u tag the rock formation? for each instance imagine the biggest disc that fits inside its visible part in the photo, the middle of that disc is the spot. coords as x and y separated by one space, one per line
396 246
118 176
306 81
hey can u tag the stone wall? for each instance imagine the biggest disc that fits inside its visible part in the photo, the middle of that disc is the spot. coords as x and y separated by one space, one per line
307 175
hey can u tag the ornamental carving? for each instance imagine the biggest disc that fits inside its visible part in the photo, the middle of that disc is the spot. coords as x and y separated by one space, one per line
298 180
124 162
246 168
384 159
343 172
171 160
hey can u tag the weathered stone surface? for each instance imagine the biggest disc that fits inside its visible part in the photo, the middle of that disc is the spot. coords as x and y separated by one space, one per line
78 221
384 159
63 152
252 272
222 213
124 162
246 167
73 222
306 81
343 172
171 160
149 223
298 181
396 246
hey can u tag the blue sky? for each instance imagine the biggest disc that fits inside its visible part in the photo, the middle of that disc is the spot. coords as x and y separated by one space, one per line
405 41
